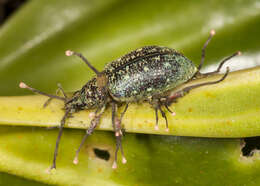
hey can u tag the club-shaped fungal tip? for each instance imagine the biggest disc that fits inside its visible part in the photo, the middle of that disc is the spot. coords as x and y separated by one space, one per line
91 115
124 160
167 129
239 53
23 85
75 161
173 113
114 166
212 32
156 127
69 53
48 171
117 134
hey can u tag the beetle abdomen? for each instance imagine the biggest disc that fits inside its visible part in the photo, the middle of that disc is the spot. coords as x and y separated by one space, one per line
146 72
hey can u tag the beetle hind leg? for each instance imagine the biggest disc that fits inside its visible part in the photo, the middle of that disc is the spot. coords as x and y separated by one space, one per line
172 98
200 75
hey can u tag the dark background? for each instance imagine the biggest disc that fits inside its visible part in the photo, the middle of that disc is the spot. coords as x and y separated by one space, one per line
7 7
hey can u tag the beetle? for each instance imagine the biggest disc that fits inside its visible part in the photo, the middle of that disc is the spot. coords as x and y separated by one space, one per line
148 74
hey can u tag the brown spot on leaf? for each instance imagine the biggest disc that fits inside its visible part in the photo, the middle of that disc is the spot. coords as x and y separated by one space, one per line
100 170
209 95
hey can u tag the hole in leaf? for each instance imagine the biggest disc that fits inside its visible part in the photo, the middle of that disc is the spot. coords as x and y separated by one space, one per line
250 145
102 154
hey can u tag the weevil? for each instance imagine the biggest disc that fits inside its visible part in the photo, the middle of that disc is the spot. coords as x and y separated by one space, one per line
147 74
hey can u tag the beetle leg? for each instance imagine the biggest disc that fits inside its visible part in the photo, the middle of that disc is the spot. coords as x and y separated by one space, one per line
212 33
156 118
62 123
93 124
200 75
186 90
221 64
116 122
123 113
155 104
164 116
121 147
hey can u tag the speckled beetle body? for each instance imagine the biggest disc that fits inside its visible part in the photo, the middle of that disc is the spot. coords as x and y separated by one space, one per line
145 74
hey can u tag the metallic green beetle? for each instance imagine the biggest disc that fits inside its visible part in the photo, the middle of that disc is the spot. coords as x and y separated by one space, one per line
147 74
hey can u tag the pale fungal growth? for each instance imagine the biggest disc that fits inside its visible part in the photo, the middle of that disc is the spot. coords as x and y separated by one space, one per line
75 161
23 85
92 115
124 160
69 53
114 166
48 171
117 134
212 32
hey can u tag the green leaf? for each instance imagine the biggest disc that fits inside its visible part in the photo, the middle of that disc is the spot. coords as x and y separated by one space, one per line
227 109
152 159
32 45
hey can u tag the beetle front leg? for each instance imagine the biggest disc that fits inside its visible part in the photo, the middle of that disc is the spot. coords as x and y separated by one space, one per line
116 122
62 123
157 105
165 118
93 124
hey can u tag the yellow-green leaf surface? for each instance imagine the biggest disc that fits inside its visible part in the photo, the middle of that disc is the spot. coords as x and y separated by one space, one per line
228 109
32 45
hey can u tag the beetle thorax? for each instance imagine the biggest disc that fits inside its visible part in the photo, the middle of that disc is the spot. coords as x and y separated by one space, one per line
90 96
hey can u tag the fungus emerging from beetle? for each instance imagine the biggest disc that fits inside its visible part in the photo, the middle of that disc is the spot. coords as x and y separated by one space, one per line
148 74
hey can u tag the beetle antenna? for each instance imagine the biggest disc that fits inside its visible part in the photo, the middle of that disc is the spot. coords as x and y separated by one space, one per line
23 85
238 53
212 33
70 53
